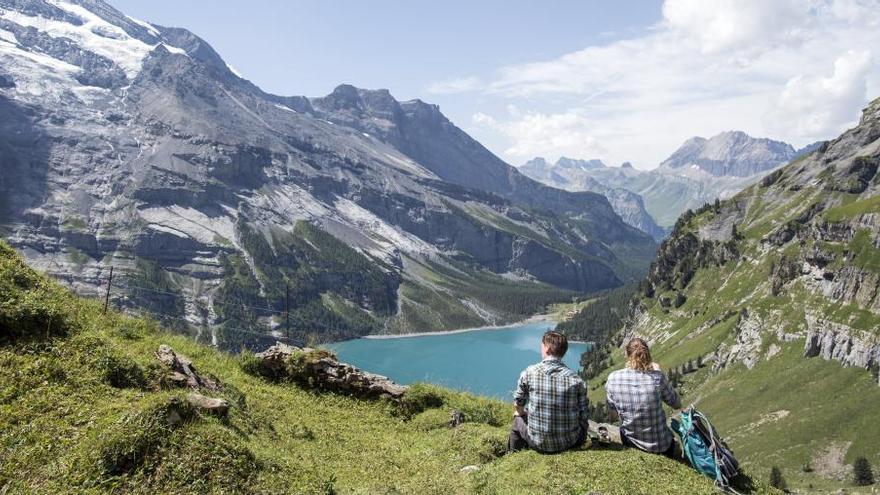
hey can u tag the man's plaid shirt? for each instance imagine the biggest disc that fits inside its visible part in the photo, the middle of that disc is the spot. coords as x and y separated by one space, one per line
555 398
636 396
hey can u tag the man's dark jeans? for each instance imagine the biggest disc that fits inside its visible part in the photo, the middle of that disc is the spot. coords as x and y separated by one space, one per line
519 436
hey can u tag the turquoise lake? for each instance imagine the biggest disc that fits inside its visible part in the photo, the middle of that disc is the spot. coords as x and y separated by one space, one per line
483 361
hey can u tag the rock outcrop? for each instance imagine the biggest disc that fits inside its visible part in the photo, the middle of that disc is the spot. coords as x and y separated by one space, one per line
842 343
181 371
320 369
209 405
746 349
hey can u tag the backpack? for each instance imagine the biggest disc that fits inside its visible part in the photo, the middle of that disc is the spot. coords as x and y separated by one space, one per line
704 449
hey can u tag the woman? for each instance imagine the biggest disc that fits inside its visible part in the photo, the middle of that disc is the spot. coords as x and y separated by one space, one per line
635 394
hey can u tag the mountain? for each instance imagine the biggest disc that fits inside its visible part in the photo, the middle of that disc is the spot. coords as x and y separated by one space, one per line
768 307
700 171
98 403
730 154
577 175
218 205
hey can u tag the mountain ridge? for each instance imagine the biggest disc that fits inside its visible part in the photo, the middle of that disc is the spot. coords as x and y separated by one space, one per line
698 172
576 175
137 146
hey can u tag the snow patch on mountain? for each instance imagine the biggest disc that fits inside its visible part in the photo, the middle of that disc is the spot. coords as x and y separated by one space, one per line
36 74
127 52
286 109
174 49
146 25
8 37
233 70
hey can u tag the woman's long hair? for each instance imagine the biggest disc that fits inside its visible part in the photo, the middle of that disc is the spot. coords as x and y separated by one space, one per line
638 355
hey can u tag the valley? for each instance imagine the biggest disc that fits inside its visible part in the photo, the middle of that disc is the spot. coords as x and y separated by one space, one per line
203 283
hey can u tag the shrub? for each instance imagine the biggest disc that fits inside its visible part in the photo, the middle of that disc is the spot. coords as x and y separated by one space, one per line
422 397
121 372
680 299
862 473
776 479
419 398
432 419
32 306
252 365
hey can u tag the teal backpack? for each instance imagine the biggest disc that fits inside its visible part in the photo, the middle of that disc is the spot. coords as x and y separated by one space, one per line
704 449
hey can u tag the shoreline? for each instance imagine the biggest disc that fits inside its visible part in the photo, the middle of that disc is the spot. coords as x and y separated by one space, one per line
532 319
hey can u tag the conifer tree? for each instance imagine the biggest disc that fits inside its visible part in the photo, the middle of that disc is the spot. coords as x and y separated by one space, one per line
862 473
776 479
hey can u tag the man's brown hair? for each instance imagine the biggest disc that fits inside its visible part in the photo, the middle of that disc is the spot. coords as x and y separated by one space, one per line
557 343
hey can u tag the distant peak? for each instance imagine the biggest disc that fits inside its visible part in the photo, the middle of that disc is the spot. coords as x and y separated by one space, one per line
565 162
730 153
345 90
537 160
626 165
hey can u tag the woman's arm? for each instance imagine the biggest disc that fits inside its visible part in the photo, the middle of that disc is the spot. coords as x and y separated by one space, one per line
668 393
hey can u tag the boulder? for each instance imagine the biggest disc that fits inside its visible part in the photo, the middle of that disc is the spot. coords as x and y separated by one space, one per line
320 369
181 371
274 359
456 418
210 405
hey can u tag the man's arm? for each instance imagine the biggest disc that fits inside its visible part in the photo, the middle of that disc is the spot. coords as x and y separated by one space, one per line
583 405
521 396
612 410
613 415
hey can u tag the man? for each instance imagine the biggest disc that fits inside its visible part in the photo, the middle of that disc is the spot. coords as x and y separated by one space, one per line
550 402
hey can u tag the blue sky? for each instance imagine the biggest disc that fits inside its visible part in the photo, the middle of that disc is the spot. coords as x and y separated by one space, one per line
623 80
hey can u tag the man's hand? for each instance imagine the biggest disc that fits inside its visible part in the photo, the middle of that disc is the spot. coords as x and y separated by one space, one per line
655 367
519 411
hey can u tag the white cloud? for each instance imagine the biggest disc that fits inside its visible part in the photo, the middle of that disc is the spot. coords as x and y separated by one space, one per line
817 106
719 25
534 133
761 66
458 85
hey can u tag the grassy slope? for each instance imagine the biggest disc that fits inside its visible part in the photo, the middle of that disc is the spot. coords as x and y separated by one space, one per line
82 411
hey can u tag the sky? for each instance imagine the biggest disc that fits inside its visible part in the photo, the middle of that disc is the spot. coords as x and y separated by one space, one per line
619 81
